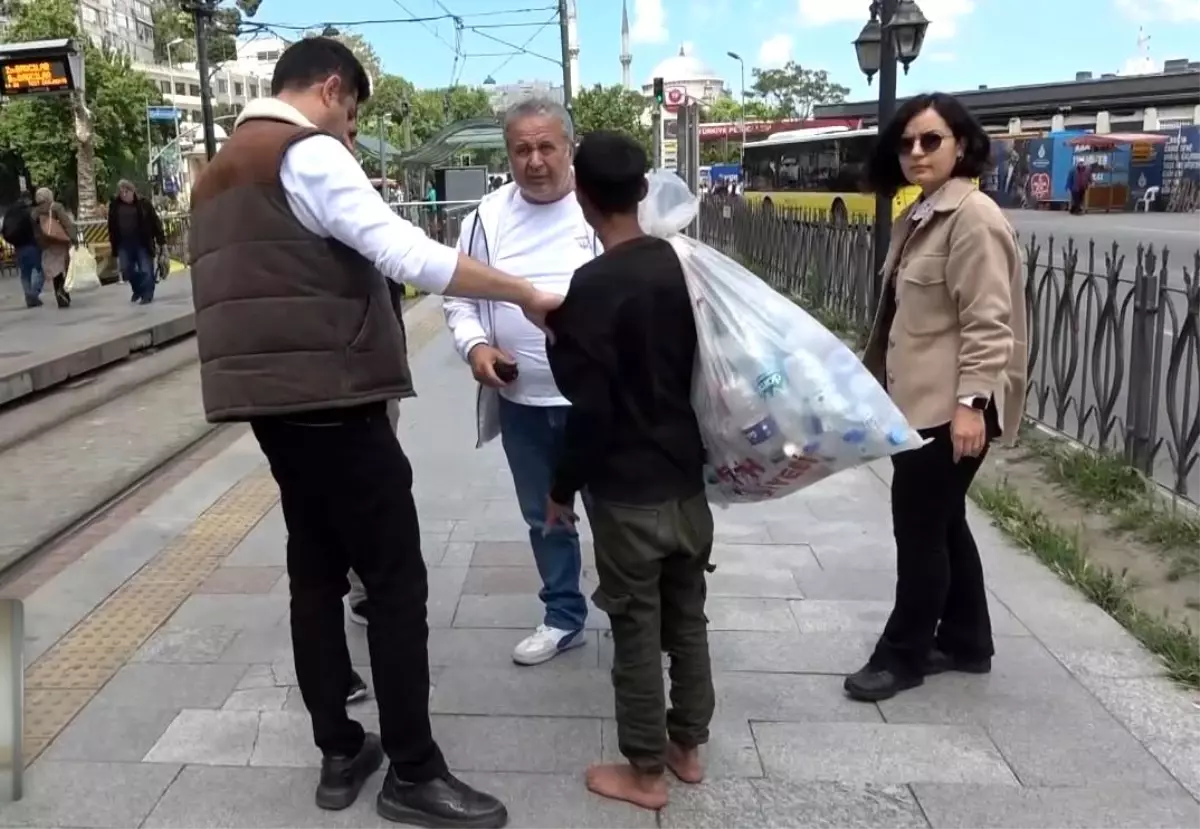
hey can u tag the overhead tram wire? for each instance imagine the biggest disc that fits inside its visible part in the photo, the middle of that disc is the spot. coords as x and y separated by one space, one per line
434 18
523 48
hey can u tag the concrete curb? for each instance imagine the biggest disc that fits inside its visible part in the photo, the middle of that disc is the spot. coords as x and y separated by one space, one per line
107 396
62 367
116 489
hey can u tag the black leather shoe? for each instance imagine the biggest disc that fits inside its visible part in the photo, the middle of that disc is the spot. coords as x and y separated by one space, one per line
875 684
445 802
342 778
939 662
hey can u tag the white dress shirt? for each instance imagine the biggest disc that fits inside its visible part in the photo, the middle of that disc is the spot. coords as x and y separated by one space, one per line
330 196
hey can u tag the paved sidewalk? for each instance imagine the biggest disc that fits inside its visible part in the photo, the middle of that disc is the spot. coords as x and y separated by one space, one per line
172 703
40 347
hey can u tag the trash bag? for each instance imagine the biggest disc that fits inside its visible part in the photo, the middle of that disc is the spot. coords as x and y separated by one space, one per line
82 273
781 402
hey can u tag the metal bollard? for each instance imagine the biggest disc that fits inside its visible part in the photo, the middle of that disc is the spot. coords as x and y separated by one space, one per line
12 698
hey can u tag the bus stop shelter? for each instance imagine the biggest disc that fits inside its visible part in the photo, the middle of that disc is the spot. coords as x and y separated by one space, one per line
461 136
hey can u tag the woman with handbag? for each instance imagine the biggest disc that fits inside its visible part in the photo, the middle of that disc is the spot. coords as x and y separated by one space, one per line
56 235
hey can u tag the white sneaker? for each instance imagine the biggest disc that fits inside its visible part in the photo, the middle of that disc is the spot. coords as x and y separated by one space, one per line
545 644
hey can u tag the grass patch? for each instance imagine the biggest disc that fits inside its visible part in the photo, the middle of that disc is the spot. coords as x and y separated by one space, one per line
1107 483
1177 645
833 320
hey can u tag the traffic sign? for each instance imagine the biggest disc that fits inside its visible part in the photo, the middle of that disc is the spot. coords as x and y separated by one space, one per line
162 113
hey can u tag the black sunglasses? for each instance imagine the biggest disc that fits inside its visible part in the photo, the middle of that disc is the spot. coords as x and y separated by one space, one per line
929 141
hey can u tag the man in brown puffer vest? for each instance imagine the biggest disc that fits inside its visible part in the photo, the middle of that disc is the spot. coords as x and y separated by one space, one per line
291 251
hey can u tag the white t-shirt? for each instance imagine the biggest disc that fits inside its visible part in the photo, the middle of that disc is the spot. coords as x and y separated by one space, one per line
543 243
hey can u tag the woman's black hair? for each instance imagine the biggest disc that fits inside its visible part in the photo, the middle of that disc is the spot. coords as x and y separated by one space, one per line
883 173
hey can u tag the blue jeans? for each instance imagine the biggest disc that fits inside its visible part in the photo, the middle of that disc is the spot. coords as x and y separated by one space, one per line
138 269
531 436
29 260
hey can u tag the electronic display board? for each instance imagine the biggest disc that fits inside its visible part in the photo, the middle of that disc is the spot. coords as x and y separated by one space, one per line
32 76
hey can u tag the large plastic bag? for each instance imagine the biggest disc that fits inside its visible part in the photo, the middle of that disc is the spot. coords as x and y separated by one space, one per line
781 402
82 273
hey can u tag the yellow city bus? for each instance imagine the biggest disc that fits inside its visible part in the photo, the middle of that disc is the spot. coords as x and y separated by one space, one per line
816 169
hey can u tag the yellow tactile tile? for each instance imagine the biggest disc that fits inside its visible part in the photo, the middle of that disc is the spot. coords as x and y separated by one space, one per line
62 681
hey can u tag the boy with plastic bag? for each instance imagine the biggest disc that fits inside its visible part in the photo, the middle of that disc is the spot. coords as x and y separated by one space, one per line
624 355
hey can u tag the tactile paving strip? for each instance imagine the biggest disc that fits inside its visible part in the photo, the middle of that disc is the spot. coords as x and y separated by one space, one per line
62 681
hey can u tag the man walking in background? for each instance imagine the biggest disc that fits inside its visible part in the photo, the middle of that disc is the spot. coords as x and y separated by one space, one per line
18 231
291 252
533 229
135 232
624 355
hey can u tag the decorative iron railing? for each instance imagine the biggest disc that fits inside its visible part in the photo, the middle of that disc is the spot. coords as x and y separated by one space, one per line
1114 334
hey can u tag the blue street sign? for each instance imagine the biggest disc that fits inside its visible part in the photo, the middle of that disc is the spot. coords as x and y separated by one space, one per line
162 113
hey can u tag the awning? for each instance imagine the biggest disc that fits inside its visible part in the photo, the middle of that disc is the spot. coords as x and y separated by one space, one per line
471 134
1117 139
369 145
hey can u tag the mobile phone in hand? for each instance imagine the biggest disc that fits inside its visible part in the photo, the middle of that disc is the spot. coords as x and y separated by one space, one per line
507 372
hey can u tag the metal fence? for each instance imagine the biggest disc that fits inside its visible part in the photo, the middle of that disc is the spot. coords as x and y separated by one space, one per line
1114 351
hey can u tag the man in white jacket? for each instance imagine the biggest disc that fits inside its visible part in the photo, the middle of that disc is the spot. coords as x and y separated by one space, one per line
531 228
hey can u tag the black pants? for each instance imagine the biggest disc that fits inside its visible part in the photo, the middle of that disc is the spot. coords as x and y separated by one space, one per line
940 595
651 561
346 491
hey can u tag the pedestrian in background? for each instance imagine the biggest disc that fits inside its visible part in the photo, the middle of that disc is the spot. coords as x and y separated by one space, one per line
56 235
948 343
18 230
135 232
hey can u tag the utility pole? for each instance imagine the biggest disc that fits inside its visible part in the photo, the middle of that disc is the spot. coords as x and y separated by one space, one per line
383 157
202 14
565 36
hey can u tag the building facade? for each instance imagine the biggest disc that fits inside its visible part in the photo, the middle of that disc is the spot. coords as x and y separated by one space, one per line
125 26
504 95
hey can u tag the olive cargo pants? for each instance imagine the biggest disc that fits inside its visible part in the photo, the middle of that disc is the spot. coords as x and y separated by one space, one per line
651 561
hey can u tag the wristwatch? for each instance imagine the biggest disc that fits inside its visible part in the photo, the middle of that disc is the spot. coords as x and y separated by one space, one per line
977 402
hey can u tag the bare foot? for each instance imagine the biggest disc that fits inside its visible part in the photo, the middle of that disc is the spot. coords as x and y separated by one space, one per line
685 763
624 782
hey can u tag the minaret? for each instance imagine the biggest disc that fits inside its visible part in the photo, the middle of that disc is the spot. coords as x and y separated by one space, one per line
573 44
626 58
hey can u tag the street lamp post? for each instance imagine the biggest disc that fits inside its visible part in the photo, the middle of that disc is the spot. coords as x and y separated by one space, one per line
171 81
894 33
742 66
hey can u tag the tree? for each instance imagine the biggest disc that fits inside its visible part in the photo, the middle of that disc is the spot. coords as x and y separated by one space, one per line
171 23
612 108
65 146
792 92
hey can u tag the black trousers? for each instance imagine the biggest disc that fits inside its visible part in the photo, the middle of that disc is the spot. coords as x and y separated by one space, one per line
346 491
940 595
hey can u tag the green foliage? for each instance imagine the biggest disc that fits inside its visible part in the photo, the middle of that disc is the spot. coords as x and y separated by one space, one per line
41 130
612 108
792 92
171 22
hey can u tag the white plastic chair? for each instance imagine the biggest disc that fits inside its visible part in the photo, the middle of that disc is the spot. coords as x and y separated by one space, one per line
1147 200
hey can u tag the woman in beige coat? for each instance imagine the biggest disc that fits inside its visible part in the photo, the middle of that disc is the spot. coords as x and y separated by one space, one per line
56 236
948 343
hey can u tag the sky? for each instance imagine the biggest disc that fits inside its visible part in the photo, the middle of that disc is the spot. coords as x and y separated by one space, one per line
969 43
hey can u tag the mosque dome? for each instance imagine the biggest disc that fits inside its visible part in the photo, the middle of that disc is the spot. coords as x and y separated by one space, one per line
683 68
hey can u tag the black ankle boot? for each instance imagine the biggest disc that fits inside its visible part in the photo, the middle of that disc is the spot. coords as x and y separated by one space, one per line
443 802
939 662
342 778
871 684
